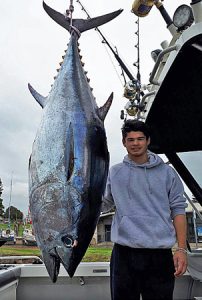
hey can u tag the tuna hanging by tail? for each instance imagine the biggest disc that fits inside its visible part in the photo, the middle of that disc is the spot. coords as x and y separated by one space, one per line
69 161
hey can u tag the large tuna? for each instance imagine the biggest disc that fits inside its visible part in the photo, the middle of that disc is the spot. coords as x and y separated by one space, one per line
69 161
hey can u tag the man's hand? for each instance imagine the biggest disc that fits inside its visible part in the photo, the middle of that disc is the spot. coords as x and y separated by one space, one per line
75 243
180 263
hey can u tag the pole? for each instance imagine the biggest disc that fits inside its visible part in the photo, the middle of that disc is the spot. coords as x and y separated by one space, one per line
9 207
195 228
185 175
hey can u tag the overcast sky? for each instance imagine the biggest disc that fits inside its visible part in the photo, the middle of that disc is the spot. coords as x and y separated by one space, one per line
31 47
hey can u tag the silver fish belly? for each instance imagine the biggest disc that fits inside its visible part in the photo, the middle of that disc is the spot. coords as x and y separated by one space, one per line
68 165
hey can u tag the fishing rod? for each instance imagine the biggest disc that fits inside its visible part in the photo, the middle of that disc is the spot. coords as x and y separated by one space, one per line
117 57
132 89
131 92
122 72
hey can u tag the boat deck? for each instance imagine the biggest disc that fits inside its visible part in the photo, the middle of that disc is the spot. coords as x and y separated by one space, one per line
91 281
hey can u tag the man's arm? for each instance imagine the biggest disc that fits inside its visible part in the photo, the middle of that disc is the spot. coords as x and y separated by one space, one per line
107 204
180 256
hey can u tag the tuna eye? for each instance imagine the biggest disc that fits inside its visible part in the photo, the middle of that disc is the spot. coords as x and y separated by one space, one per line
68 242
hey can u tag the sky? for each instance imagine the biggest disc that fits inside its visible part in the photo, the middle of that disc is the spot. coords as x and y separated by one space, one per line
31 47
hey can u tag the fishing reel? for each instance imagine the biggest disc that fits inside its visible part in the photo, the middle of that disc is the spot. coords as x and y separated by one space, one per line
132 91
141 8
130 109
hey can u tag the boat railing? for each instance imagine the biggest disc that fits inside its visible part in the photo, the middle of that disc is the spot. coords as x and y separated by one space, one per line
20 259
193 206
158 61
142 103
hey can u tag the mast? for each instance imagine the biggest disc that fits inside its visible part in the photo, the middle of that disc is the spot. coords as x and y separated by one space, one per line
9 206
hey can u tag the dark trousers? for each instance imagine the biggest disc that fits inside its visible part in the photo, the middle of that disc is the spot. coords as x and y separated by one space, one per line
145 272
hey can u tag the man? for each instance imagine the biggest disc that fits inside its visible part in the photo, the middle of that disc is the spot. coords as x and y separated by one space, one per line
149 217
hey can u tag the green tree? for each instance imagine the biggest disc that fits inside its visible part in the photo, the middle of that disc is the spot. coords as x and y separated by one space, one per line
15 214
1 200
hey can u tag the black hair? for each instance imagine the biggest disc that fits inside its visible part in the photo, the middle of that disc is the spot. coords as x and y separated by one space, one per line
134 125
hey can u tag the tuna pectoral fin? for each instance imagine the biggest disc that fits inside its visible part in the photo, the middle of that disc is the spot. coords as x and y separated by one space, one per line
52 264
80 24
39 98
102 111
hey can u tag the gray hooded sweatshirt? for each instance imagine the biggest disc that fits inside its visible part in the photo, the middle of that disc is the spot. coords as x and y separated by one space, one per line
146 198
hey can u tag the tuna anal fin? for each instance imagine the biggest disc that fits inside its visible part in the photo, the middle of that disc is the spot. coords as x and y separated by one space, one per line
102 111
39 98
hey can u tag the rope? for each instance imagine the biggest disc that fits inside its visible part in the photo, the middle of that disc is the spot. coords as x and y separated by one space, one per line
69 12
75 30
113 65
69 15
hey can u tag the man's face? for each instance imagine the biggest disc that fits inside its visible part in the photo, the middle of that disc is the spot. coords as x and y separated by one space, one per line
136 144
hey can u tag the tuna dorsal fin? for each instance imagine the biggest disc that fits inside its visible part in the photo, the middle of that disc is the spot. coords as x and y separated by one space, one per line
80 24
39 98
102 111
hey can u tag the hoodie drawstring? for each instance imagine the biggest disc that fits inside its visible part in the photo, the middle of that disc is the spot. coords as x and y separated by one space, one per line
147 179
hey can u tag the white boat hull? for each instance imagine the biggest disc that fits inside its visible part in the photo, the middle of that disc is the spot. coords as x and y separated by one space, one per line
90 282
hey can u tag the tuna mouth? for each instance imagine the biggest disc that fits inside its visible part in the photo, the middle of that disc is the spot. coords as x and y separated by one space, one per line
52 263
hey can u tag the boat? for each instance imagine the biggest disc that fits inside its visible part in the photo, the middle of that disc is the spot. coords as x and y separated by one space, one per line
28 237
9 236
91 281
171 104
3 240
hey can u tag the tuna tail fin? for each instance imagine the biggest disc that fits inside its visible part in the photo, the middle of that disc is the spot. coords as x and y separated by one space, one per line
80 24
39 98
102 111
